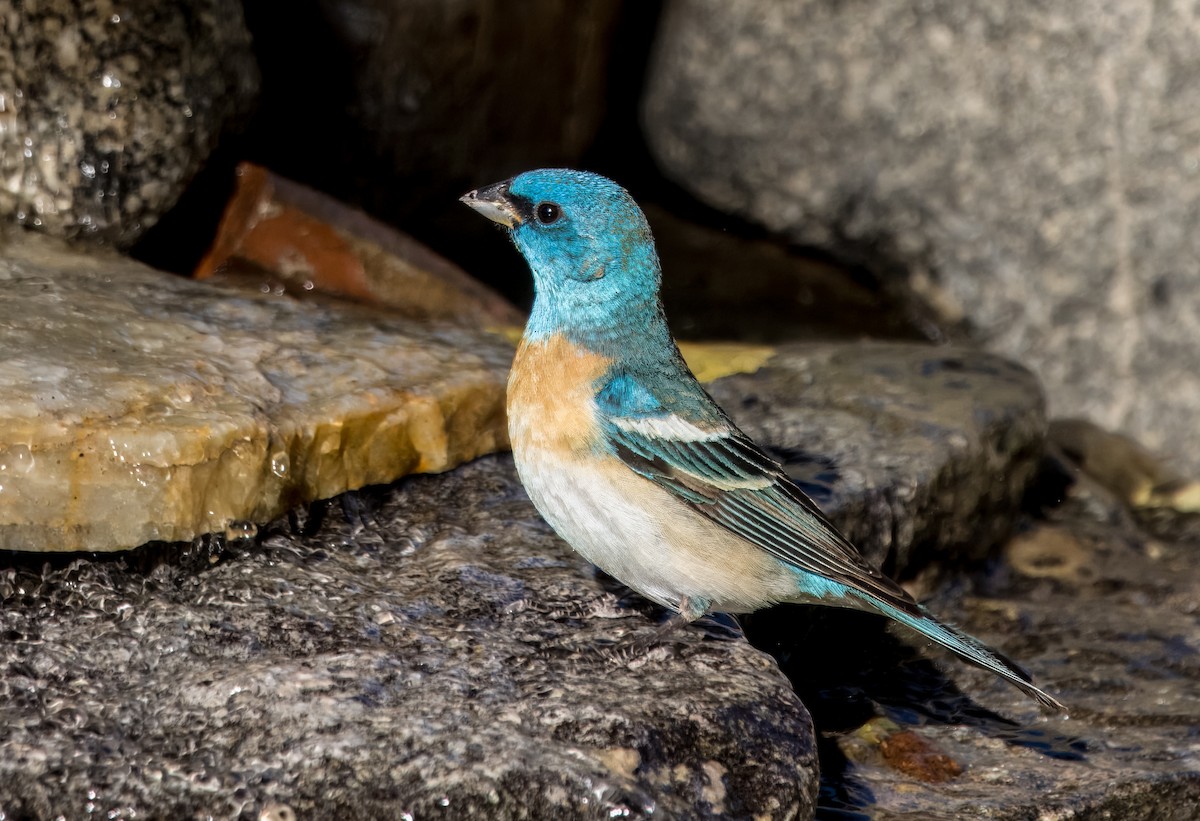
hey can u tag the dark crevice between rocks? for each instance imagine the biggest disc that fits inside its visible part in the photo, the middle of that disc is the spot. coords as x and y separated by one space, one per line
838 296
1049 487
178 241
177 562
178 559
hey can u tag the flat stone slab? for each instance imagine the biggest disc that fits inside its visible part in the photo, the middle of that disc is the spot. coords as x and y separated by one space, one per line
136 406
435 659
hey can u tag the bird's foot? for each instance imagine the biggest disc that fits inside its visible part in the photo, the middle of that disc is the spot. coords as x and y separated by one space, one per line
604 605
638 646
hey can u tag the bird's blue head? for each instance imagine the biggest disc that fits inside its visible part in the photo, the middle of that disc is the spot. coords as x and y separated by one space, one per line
595 270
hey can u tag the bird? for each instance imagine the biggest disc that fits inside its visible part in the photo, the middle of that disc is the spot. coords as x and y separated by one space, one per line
628 458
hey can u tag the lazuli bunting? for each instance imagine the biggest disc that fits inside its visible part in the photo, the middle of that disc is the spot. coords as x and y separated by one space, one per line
632 463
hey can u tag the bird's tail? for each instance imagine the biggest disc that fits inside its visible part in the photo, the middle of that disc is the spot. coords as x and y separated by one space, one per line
970 649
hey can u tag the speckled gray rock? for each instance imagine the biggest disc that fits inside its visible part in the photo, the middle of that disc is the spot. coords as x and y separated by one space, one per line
435 660
1025 168
903 445
108 109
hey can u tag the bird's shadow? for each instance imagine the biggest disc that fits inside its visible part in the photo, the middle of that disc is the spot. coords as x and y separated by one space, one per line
847 668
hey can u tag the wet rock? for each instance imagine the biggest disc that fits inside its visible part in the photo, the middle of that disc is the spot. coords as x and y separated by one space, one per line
1119 644
435 655
294 240
137 406
1024 170
107 110
914 451
883 741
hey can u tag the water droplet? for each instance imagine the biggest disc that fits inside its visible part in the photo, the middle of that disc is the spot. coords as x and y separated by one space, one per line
16 460
239 531
281 463
277 812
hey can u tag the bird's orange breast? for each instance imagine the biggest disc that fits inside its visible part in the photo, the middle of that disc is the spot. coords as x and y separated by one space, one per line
551 396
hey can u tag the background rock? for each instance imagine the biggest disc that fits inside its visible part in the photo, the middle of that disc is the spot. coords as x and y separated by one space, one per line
1024 169
287 238
107 109
437 658
440 95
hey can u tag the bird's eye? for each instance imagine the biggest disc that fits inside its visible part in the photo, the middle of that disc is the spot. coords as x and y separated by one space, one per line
547 213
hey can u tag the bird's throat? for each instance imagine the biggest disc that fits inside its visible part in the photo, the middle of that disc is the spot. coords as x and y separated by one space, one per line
602 328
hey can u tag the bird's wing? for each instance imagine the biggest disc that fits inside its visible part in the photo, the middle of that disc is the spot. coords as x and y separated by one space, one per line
692 450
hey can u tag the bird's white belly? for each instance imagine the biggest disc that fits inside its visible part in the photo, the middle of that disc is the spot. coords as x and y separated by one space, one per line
638 533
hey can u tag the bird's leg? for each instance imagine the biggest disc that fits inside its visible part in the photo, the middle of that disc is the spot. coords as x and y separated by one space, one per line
689 611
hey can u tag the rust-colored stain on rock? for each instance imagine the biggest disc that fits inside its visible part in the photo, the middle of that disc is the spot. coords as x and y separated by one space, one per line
915 756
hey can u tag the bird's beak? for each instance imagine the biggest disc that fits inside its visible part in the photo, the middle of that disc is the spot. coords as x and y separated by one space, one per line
494 203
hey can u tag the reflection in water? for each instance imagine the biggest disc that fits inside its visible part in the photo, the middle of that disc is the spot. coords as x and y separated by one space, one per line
848 668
